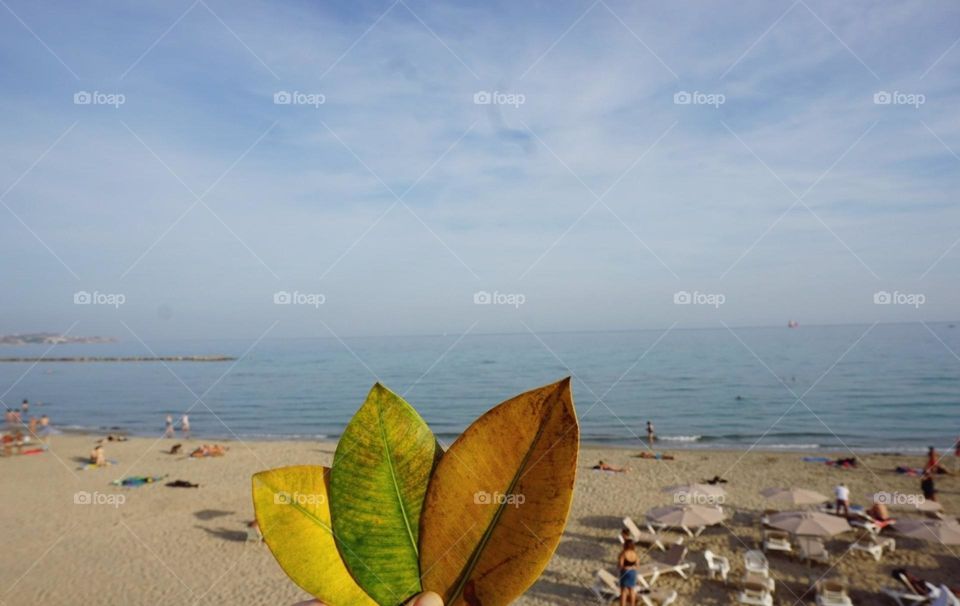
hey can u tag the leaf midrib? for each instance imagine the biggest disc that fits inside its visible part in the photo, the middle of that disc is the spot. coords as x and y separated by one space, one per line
299 508
393 477
491 527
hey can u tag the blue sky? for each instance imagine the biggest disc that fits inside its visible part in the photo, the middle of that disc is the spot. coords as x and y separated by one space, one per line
795 194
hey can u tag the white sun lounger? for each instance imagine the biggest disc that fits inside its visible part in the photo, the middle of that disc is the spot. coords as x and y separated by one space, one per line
673 561
648 537
874 545
831 592
755 594
716 565
777 540
605 588
905 595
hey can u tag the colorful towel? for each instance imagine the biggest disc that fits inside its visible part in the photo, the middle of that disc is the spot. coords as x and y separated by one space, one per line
135 481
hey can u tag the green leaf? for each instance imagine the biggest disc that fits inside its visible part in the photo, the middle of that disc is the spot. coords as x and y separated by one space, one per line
499 499
379 477
293 513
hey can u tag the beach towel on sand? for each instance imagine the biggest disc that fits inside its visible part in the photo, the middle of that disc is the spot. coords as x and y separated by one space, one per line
134 481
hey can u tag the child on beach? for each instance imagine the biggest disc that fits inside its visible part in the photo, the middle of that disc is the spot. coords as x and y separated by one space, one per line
168 432
185 426
651 436
97 456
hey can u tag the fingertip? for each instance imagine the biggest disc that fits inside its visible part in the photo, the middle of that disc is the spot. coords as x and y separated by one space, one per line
427 598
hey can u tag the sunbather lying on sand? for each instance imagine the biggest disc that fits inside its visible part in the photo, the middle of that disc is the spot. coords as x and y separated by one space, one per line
654 455
601 466
209 450
182 484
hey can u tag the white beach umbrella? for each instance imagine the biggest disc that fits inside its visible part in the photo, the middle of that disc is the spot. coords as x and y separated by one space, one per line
906 502
793 497
809 523
938 531
685 517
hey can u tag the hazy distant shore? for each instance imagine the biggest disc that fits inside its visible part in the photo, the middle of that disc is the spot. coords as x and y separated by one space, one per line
122 359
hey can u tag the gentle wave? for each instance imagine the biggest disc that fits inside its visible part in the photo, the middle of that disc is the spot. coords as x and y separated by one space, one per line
679 438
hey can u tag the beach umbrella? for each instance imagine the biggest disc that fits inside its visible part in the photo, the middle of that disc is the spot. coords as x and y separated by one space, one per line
685 517
809 523
940 531
910 502
697 494
793 497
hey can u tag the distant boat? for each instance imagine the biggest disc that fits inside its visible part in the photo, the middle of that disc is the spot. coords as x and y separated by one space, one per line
793 324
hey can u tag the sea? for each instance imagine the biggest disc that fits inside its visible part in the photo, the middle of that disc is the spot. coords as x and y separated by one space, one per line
881 388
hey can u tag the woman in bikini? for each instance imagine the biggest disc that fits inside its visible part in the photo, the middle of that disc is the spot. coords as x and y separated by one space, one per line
627 563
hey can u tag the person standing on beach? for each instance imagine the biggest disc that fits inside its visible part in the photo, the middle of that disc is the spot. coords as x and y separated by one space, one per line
25 408
45 428
168 432
928 488
842 494
185 426
651 436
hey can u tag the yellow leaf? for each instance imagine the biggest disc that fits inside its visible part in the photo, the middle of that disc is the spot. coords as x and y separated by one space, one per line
498 500
293 513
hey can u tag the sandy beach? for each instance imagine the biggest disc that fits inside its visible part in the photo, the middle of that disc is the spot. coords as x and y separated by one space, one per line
158 544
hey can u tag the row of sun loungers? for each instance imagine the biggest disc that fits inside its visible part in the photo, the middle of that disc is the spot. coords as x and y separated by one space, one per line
756 587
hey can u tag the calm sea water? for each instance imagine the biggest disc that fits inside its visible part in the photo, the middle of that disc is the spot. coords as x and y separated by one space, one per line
897 389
